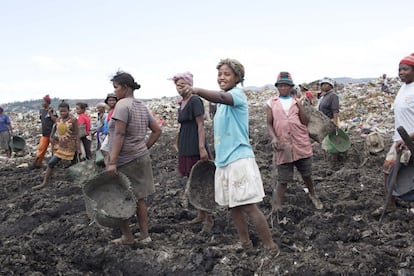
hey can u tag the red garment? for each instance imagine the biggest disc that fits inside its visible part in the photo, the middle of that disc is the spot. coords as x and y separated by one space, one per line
108 118
293 138
83 119
309 95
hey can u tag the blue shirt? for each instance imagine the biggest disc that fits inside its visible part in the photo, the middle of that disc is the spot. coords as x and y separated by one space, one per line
4 122
231 130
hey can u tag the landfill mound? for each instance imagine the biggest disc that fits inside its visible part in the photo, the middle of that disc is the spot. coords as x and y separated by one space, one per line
47 232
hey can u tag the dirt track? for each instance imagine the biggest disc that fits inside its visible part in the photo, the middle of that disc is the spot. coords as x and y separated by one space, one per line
48 233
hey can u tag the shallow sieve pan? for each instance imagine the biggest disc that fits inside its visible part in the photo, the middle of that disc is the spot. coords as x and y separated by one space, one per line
109 199
201 185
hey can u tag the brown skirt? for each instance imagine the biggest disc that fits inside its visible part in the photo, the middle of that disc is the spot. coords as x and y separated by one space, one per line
186 163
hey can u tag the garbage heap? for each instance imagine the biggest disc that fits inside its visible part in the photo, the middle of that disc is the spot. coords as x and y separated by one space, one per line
364 108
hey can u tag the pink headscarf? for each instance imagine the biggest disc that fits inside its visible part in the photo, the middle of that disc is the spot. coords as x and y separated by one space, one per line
186 76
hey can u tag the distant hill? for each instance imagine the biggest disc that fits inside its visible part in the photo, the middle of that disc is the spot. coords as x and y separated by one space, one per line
342 80
345 80
23 106
31 105
34 105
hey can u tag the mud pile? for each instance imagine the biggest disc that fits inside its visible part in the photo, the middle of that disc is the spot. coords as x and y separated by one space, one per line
47 232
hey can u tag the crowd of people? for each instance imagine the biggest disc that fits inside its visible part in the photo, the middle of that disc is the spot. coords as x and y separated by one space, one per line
121 134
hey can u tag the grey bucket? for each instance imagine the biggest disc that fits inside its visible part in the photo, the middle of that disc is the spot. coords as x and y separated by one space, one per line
109 199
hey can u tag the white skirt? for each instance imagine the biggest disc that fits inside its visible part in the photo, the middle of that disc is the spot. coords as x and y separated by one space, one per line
238 183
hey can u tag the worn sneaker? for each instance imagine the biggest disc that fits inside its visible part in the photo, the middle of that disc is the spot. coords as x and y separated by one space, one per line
316 202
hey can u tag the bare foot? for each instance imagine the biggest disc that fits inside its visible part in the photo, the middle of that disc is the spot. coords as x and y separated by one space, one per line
38 187
196 220
273 250
123 241
316 201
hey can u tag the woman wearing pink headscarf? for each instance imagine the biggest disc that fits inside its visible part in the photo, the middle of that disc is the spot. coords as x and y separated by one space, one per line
191 144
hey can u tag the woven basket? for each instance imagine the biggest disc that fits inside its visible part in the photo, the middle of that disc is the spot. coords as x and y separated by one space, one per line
109 199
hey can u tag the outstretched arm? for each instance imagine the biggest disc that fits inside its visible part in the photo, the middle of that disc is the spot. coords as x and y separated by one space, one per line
212 96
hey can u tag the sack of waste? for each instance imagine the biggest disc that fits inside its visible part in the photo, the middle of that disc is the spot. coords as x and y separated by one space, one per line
319 125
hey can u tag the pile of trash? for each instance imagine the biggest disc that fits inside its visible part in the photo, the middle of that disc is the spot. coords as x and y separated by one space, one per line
364 109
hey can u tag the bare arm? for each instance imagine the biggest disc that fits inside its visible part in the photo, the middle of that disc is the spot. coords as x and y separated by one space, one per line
270 129
117 142
303 117
176 139
52 134
212 96
155 133
10 129
201 137
335 118
76 132
52 115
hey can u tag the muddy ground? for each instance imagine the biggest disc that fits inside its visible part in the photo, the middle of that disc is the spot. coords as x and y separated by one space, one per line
48 232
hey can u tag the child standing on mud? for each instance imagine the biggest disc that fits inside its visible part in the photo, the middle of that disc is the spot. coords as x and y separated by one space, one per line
68 141
286 123
84 123
191 139
238 183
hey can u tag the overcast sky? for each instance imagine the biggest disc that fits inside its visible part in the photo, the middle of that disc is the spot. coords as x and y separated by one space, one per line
70 49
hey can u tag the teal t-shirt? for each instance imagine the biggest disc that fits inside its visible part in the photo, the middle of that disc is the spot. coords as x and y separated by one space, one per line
231 130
